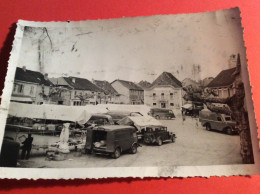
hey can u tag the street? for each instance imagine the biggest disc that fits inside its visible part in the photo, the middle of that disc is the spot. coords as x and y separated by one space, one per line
193 146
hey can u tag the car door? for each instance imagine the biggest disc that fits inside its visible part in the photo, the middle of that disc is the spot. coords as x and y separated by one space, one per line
218 123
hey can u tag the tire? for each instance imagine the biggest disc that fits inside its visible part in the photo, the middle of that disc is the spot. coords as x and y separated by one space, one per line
229 131
133 149
208 127
159 141
88 151
157 117
173 139
147 140
116 153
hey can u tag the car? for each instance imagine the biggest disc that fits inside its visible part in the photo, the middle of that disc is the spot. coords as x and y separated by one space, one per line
118 115
100 119
218 122
111 140
161 113
192 109
157 134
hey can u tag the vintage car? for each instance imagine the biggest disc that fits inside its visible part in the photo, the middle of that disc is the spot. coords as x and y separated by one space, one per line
216 121
161 113
100 119
149 130
111 140
157 134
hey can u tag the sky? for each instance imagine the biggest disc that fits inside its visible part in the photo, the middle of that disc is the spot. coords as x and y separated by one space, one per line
138 48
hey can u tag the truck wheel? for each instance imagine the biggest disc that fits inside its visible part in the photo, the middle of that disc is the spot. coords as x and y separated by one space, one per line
229 131
208 127
116 153
159 141
157 117
133 149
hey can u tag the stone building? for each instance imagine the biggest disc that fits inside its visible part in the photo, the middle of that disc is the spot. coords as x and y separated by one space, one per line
130 93
30 87
164 92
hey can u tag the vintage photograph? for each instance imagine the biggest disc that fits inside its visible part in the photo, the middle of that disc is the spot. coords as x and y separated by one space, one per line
158 91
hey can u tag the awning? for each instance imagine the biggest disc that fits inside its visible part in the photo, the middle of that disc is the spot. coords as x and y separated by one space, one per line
21 99
187 106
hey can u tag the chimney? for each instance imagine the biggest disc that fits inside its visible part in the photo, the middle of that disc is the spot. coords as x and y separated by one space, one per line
24 68
232 61
46 76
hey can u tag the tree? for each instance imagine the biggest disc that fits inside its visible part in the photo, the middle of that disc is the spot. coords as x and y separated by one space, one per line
234 106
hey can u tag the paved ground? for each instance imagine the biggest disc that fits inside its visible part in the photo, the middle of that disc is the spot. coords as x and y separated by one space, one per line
194 146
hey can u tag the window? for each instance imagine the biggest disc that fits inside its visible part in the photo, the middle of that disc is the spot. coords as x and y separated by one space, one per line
20 88
171 104
219 119
162 95
75 93
14 89
154 104
163 105
32 90
154 95
171 95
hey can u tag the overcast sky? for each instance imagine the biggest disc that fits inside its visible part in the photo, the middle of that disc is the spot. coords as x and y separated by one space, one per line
136 49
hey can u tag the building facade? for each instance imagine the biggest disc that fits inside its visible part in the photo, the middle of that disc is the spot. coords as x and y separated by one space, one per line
165 92
130 93
111 95
223 84
30 87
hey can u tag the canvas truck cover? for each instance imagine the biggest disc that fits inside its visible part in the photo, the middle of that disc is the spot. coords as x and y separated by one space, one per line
140 122
143 109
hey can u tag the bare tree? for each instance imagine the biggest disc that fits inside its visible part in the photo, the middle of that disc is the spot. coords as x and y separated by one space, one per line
234 106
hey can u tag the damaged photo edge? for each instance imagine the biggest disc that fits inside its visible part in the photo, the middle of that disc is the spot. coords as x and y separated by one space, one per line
106 108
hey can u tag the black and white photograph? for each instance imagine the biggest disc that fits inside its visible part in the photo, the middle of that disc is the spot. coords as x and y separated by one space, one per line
163 95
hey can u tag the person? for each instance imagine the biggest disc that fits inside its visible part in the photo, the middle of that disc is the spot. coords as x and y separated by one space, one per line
27 146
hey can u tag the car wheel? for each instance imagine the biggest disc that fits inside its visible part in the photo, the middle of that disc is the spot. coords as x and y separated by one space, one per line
229 131
147 140
133 149
116 153
173 139
88 151
157 117
208 127
159 141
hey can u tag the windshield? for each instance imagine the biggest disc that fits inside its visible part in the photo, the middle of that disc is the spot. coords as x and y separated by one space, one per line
228 119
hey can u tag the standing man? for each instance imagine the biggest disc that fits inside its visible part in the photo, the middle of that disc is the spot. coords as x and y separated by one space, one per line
27 146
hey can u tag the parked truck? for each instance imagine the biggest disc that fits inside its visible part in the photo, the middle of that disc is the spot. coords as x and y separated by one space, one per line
218 122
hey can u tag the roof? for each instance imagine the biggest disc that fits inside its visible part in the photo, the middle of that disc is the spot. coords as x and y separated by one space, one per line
59 81
144 84
129 85
106 86
82 84
167 78
113 127
31 76
224 78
